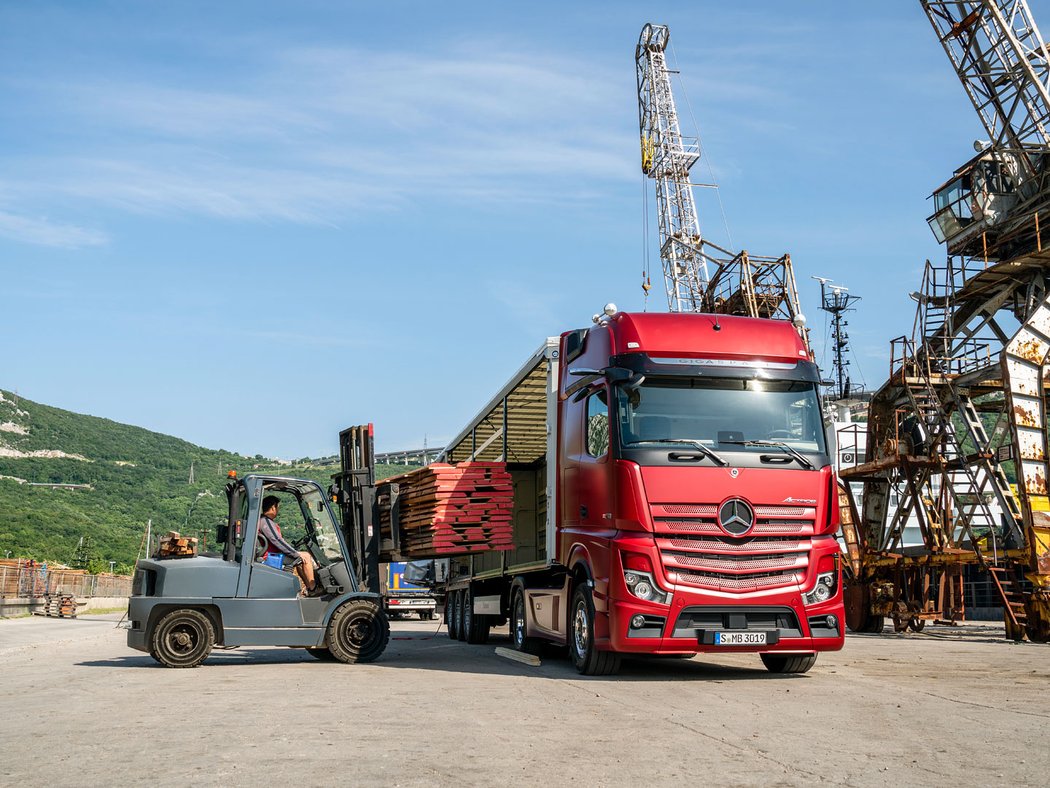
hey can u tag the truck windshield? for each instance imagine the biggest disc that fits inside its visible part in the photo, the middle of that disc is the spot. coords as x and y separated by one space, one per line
726 414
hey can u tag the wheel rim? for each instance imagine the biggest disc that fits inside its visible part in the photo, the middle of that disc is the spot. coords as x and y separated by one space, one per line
519 620
580 629
360 631
183 638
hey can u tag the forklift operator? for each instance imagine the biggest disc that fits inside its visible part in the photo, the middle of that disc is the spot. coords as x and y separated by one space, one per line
301 562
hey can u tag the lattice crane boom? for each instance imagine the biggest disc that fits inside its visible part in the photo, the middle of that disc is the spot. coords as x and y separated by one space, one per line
998 53
739 283
667 158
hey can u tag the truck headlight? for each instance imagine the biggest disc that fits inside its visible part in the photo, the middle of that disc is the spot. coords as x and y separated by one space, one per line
643 586
822 591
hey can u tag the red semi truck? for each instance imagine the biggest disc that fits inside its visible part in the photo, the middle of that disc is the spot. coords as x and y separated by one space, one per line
673 494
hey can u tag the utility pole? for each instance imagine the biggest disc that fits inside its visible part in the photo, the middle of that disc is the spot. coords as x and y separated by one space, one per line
191 472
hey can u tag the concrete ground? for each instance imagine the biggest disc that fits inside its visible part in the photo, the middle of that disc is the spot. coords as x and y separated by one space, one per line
945 707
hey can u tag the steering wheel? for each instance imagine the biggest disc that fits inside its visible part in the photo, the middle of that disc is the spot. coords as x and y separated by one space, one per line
310 537
261 546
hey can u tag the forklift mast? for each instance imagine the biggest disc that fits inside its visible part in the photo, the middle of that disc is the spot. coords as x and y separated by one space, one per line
354 491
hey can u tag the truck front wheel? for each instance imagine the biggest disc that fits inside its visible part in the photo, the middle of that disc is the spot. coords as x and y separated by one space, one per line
585 656
357 632
788 663
182 639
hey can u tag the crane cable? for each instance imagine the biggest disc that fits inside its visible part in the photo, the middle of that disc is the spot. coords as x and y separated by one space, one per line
700 147
646 281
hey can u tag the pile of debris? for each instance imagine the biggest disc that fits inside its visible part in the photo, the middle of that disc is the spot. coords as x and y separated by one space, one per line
172 545
58 606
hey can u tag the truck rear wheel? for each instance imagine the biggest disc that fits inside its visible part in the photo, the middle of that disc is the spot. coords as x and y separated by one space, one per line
426 615
357 632
518 638
452 615
788 663
461 615
585 656
475 627
182 639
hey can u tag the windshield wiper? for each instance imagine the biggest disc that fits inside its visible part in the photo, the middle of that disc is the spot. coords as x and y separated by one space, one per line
778 445
696 444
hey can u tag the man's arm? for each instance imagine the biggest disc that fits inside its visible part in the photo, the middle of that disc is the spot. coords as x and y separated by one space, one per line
276 541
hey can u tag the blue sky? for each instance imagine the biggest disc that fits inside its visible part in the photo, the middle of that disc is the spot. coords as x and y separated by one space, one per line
251 224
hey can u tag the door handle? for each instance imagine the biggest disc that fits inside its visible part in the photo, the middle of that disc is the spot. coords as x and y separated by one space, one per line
583 511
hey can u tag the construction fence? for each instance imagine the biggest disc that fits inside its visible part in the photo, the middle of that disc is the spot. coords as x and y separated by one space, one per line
23 579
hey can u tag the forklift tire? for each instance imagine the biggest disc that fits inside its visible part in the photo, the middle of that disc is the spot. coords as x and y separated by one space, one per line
182 638
584 654
357 632
323 654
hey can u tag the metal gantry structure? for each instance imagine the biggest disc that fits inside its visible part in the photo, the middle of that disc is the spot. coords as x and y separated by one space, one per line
836 300
964 407
699 276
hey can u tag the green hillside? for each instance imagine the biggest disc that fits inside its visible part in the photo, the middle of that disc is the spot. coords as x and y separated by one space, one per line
132 476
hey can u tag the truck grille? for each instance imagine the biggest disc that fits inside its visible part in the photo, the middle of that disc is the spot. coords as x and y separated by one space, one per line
696 551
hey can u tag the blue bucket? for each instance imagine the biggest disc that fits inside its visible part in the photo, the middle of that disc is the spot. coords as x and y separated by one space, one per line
276 560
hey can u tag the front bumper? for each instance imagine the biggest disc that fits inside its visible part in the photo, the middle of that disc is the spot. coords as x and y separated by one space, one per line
693 623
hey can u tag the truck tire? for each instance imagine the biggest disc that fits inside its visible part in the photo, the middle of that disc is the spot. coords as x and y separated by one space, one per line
426 615
461 615
518 638
584 655
182 638
357 632
452 615
788 663
475 627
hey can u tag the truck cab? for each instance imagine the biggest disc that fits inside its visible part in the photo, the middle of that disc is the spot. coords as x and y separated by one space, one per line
697 500
182 607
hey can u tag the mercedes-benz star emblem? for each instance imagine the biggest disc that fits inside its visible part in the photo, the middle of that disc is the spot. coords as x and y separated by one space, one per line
736 517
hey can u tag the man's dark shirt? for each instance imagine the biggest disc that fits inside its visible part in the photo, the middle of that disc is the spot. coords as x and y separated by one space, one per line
275 542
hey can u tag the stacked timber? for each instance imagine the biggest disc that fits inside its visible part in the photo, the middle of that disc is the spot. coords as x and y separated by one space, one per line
172 545
445 510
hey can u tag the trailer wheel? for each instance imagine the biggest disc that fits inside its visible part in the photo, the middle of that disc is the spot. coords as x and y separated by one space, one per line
323 654
585 656
518 638
182 639
357 632
426 615
452 615
788 663
475 627
461 615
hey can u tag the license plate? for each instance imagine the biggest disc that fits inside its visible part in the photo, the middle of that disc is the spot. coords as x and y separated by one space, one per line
740 638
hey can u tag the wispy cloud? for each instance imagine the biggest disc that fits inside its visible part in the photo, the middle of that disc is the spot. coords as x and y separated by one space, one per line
318 134
44 232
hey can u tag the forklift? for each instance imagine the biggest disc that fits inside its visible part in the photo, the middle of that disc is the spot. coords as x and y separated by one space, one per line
183 607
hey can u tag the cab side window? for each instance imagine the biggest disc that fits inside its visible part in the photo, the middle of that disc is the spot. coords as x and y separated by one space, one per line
597 424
